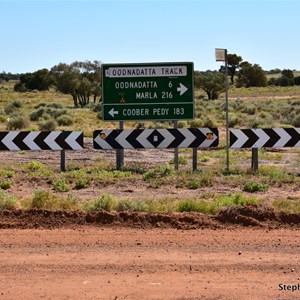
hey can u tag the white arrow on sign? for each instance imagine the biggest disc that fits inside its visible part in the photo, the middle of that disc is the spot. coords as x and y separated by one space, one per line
182 89
113 112
71 140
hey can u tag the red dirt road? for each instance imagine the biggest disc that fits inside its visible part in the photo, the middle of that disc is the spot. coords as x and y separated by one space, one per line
92 262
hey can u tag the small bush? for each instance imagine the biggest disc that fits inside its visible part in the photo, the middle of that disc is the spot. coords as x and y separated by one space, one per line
202 181
37 114
64 120
35 166
7 202
17 121
48 125
5 184
231 200
181 160
82 183
158 172
253 187
45 200
193 206
41 199
12 107
61 186
125 205
105 202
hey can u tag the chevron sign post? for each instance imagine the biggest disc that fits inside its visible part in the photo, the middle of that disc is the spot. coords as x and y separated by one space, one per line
263 138
266 137
156 138
41 140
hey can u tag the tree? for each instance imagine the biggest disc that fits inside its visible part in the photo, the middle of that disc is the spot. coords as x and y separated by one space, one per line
39 80
79 79
251 75
233 63
213 83
287 73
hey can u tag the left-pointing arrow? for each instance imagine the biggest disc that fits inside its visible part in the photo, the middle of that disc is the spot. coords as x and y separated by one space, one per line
113 112
182 89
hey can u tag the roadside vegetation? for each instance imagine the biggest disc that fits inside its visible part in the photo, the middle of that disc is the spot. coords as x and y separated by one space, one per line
276 103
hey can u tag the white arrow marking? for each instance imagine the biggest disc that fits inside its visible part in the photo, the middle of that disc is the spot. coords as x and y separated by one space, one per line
29 140
168 138
8 140
121 139
142 139
50 140
189 138
284 137
241 138
71 140
207 142
101 142
182 89
113 112
262 138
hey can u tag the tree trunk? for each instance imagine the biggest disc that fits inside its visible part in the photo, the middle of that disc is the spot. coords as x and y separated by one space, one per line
75 100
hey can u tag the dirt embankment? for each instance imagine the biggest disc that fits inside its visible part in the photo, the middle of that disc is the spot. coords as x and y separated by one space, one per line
250 215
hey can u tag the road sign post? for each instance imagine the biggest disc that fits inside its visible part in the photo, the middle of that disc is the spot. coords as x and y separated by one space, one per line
154 91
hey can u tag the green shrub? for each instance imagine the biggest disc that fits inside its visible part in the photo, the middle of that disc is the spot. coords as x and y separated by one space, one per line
287 205
158 172
12 107
193 206
202 181
126 205
35 166
231 200
41 199
82 183
7 201
48 125
64 120
61 186
250 109
17 121
181 160
37 114
45 200
104 203
5 184
253 187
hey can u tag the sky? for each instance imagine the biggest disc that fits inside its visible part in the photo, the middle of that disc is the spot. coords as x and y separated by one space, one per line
41 34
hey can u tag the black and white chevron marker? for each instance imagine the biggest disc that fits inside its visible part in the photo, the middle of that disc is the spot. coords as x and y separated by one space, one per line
156 138
41 140
266 137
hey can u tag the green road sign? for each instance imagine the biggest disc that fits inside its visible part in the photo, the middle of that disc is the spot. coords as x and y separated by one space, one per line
154 91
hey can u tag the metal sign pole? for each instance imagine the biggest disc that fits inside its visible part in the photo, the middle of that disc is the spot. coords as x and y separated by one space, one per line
176 149
254 160
120 152
63 160
227 114
195 159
